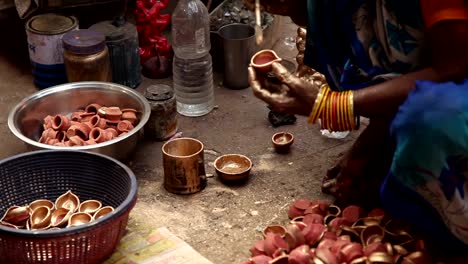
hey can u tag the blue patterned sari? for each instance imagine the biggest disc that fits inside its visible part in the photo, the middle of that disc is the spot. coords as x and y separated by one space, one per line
360 43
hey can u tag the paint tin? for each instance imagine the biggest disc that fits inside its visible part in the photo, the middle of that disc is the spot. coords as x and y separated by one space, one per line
44 33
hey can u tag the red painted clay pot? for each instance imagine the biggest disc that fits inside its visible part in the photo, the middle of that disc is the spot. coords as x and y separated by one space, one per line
113 113
124 126
61 123
129 115
93 108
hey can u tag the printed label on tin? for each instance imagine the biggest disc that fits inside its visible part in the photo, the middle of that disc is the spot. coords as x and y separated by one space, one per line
45 49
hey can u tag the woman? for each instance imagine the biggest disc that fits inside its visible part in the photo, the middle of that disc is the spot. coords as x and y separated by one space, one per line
401 63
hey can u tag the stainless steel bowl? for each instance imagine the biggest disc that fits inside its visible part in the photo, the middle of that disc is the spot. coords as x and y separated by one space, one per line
26 118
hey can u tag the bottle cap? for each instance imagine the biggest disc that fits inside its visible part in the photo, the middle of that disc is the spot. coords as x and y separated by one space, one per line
84 41
159 92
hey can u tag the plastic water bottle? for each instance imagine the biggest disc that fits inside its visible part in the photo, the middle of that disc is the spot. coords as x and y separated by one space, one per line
192 66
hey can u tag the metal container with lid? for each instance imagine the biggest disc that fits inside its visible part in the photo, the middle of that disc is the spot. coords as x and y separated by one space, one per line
86 56
122 42
163 122
44 36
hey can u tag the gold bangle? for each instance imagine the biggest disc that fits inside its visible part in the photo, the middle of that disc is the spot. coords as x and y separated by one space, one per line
350 110
341 113
315 113
346 111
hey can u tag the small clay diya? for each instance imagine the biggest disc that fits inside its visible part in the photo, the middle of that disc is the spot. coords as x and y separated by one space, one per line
233 167
275 229
60 122
90 206
282 142
41 202
68 201
263 60
78 219
16 215
92 108
40 218
103 211
60 217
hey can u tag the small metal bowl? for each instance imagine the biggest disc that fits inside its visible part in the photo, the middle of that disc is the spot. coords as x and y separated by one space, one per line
282 141
26 118
233 167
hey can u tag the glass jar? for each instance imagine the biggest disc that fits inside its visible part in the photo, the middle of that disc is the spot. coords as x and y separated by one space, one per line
163 122
86 56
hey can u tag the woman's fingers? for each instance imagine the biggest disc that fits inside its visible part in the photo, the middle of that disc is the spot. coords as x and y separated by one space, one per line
285 76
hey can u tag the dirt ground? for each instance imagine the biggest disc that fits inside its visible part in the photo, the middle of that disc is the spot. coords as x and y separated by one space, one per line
222 221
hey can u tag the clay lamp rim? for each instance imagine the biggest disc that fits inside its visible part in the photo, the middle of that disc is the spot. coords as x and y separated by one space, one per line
228 157
271 57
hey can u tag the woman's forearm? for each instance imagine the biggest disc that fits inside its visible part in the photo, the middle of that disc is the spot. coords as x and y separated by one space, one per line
383 100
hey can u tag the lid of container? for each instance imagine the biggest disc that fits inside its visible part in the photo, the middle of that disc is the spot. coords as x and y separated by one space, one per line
50 24
84 41
115 30
159 92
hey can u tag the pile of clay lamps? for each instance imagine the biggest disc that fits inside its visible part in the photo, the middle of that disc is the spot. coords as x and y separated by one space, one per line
321 233
94 124
67 211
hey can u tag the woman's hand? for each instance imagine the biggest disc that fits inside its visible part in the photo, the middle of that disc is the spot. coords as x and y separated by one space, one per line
288 93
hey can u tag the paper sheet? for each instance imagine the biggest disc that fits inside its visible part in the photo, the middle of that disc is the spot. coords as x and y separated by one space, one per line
143 245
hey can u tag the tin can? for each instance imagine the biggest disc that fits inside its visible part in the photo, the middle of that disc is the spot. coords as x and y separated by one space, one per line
122 42
163 122
44 36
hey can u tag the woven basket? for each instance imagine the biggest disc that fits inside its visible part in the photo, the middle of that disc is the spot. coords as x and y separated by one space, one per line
47 175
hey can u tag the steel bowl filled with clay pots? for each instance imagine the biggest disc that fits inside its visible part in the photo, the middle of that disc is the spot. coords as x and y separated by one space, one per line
101 117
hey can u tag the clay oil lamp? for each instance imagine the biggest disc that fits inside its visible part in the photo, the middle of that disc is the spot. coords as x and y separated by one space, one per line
16 215
233 167
92 108
112 131
52 141
103 211
90 142
129 114
90 206
94 121
41 202
76 116
82 130
85 117
78 219
282 142
47 134
61 136
68 201
40 218
262 60
59 217
275 229
99 135
61 122
124 126
48 122
76 141
113 114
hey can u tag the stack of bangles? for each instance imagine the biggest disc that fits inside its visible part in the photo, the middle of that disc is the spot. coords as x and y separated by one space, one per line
335 110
